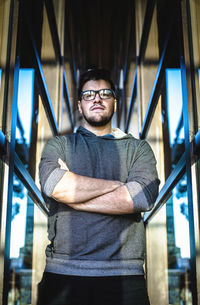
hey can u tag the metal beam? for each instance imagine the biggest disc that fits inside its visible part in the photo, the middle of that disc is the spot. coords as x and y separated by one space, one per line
29 183
57 49
197 143
67 101
154 93
176 174
146 29
132 101
165 192
23 175
53 28
3 149
46 100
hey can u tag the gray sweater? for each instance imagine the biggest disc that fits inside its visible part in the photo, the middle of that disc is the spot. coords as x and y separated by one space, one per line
93 244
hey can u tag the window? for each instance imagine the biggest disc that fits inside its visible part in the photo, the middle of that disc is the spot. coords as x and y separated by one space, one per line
24 114
178 242
175 114
20 277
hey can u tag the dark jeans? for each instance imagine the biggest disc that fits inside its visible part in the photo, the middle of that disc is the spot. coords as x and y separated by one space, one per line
55 289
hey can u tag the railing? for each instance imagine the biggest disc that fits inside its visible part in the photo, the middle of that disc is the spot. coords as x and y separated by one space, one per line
23 174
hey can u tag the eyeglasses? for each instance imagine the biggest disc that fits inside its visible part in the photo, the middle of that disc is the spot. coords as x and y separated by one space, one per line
104 94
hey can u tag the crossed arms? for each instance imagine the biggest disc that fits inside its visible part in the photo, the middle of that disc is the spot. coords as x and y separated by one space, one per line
84 193
92 195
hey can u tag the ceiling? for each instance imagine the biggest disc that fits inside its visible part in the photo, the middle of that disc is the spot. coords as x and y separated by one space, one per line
100 33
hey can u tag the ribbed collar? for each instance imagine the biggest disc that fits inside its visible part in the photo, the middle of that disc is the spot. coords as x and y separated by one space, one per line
115 134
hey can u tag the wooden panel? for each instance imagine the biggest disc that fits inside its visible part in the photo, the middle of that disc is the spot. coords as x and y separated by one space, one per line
157 280
192 50
40 239
6 106
156 228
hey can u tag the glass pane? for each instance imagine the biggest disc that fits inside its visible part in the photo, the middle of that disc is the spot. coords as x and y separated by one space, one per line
21 245
175 114
25 113
178 242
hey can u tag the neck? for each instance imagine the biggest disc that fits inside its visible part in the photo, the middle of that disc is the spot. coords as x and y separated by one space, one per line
98 130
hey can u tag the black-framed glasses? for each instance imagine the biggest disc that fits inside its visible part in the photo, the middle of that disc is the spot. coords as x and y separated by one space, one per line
104 94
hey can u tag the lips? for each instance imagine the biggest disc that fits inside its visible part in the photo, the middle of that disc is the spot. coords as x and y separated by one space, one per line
97 108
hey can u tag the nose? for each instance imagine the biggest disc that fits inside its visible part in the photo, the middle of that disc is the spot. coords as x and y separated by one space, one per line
97 98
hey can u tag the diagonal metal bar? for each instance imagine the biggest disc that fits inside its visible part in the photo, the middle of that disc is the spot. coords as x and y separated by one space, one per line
44 91
23 174
132 101
146 29
176 174
53 29
197 143
29 183
3 147
57 49
46 100
165 192
154 93
67 100
142 49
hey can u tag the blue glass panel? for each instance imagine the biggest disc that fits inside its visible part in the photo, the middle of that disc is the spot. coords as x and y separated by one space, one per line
178 240
20 277
25 113
178 237
175 114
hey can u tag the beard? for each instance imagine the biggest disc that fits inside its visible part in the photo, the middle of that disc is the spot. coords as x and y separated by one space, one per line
98 122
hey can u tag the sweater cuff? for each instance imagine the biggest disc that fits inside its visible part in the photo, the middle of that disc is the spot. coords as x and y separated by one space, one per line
140 201
52 180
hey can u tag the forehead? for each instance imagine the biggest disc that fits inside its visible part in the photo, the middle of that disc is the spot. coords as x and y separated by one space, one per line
96 85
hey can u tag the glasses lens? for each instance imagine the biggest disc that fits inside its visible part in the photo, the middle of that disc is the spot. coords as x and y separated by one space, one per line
88 95
105 94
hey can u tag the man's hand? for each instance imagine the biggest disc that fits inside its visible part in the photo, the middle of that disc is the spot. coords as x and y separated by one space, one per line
117 202
73 188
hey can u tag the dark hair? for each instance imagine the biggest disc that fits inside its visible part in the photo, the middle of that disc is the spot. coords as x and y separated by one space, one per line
94 74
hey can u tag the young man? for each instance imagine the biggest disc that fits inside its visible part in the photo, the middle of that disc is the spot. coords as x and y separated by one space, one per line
97 182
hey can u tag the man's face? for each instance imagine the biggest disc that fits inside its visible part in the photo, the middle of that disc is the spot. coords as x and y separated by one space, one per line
97 112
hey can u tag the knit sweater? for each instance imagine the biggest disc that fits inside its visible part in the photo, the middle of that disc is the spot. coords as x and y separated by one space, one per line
94 244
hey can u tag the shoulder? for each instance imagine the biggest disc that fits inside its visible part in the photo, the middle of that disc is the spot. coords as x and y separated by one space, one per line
142 144
60 139
135 142
142 150
57 143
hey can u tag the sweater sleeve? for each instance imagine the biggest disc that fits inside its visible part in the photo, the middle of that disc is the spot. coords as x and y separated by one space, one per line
143 182
49 168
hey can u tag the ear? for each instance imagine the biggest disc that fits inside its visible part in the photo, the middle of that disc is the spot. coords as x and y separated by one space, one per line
79 107
115 105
